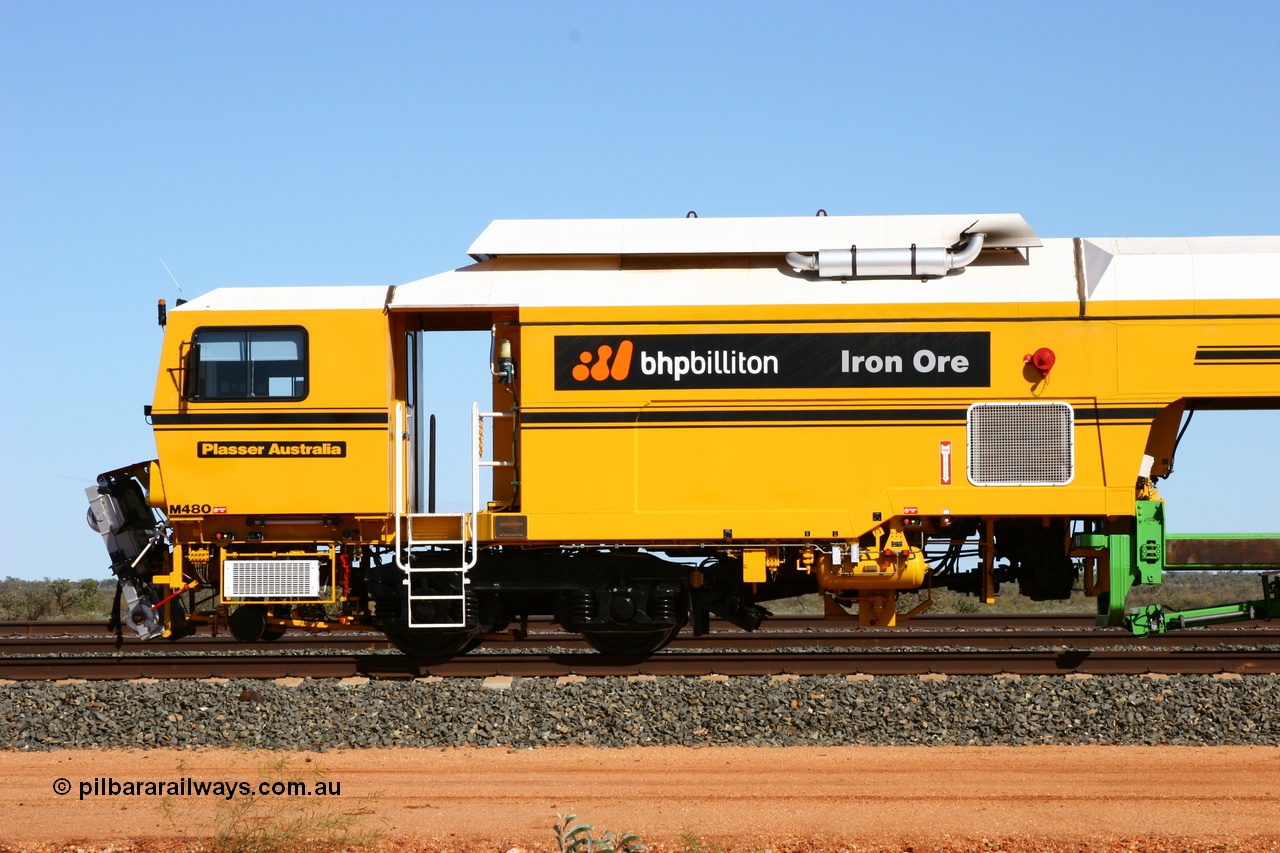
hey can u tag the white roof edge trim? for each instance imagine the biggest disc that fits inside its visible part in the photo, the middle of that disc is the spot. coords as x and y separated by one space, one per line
307 298
743 236
1210 245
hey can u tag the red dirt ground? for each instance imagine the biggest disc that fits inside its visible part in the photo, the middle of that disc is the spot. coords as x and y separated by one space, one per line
922 799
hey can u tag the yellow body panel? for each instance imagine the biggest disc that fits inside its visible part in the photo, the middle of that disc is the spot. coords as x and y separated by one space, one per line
688 466
785 463
325 454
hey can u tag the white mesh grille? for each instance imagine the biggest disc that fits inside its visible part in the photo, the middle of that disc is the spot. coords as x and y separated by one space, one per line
271 578
1021 444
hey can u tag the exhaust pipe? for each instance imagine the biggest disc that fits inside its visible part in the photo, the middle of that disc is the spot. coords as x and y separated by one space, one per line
888 263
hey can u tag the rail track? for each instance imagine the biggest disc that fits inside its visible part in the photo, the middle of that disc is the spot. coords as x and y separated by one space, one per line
672 663
969 631
799 645
1083 638
785 621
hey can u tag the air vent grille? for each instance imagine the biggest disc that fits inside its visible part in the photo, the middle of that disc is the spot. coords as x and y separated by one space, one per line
1021 444
287 579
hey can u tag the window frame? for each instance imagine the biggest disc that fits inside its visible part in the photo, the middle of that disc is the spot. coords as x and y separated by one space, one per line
191 387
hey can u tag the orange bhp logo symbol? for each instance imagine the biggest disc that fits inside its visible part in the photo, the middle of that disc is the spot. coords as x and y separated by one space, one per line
598 366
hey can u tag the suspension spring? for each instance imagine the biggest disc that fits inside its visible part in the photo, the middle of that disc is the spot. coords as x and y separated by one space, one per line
665 606
583 606
473 612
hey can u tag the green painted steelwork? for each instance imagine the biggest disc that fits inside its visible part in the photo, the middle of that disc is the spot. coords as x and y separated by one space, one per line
1134 555
1134 552
1219 567
1220 536
1149 562
1155 619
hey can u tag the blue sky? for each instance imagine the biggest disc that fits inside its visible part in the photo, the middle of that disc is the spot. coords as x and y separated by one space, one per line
368 143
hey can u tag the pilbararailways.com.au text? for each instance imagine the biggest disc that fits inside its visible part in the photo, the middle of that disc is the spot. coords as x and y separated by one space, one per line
108 786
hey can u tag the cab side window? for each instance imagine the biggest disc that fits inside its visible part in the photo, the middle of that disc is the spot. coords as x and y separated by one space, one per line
248 364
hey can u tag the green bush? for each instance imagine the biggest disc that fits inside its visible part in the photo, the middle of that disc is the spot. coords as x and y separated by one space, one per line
31 601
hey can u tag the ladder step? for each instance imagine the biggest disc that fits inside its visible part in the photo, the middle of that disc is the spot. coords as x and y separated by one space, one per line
432 528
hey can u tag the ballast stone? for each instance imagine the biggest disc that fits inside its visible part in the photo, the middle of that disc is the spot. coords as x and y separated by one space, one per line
616 712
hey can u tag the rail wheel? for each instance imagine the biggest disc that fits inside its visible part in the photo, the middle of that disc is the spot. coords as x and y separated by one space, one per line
420 644
629 644
248 624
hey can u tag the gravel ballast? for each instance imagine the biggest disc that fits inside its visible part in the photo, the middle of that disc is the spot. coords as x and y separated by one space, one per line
322 714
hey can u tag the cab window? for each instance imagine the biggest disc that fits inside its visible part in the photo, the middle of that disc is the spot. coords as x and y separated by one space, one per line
248 364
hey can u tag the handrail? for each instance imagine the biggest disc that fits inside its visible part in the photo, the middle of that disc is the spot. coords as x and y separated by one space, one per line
477 463
399 451
470 548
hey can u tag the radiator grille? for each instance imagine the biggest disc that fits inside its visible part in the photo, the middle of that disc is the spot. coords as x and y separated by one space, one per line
271 578
1021 444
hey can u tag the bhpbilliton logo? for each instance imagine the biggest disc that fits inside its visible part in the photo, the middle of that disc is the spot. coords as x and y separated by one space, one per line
604 363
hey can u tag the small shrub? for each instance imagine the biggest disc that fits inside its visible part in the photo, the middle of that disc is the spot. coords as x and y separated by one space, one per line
693 843
572 836
283 824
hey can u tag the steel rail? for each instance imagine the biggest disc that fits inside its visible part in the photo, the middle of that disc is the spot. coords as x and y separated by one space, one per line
834 636
31 646
1020 662
782 621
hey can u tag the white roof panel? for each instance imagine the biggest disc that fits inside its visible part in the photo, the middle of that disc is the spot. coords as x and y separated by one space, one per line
744 236
1115 269
1050 279
1153 268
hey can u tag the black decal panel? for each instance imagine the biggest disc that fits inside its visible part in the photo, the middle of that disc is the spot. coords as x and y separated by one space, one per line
866 360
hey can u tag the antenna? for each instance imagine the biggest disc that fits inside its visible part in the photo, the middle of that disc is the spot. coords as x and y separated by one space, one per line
170 272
